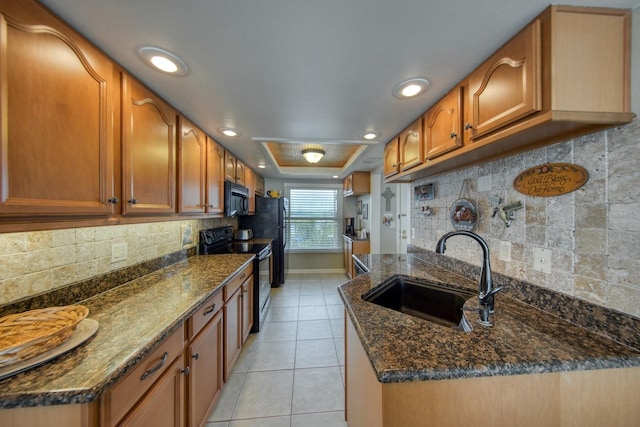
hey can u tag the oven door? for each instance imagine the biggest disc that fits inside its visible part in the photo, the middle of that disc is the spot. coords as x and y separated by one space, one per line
262 299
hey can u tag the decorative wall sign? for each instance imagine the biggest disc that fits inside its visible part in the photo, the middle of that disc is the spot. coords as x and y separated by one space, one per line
425 192
551 179
359 207
365 211
463 215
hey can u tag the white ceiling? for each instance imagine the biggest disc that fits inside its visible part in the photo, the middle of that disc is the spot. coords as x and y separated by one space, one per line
303 69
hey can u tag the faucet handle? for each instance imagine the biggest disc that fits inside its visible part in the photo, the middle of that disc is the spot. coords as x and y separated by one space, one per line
485 297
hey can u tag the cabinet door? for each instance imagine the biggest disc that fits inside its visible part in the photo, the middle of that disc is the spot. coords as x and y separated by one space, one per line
215 177
247 308
259 185
205 375
241 170
232 331
229 167
149 151
391 158
250 183
443 125
163 406
192 151
56 126
507 86
347 185
411 146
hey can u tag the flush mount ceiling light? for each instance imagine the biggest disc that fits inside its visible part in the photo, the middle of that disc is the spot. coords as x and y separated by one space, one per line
262 165
230 131
163 60
410 88
313 155
370 135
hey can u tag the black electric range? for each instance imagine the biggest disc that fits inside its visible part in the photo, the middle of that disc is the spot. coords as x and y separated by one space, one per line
220 241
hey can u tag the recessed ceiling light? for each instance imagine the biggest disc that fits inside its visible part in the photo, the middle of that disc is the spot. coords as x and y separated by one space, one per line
262 165
410 88
230 131
336 176
163 60
370 134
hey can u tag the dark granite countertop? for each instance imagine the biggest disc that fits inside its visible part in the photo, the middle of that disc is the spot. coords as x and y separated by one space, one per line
523 340
133 319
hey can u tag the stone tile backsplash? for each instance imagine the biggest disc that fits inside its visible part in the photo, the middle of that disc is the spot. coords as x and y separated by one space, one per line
593 232
35 262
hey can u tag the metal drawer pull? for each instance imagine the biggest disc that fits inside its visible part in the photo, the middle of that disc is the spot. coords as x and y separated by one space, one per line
196 356
155 368
185 371
209 310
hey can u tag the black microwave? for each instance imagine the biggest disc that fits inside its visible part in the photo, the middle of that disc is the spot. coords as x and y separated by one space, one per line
236 199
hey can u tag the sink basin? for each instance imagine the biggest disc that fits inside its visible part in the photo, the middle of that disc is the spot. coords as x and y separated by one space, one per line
426 300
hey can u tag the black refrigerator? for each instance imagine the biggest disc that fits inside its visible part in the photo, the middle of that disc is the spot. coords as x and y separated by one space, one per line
270 221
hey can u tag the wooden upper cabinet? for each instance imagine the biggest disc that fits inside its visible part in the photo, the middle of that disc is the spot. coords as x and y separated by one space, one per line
250 183
443 125
148 151
507 86
259 184
215 177
391 158
56 126
410 146
234 169
192 152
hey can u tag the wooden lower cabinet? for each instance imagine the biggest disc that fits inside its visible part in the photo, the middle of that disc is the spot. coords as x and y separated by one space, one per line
232 331
164 404
578 398
204 382
349 248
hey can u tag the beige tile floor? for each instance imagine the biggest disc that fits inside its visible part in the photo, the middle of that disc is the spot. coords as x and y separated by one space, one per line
291 373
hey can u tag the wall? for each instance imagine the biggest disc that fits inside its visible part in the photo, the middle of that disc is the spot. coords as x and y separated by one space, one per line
593 233
36 262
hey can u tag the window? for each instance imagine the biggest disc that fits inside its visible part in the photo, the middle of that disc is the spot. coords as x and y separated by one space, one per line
314 215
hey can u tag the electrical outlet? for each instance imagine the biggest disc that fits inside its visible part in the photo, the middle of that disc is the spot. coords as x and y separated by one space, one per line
542 260
119 252
505 251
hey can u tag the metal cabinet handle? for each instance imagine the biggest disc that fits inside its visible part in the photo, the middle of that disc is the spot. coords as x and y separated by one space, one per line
113 200
209 310
454 135
155 368
468 126
133 201
243 275
185 371
195 356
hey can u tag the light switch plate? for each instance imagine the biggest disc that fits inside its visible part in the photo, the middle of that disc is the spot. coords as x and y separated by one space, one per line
542 260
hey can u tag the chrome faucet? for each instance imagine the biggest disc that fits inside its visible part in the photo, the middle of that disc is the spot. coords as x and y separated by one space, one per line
486 291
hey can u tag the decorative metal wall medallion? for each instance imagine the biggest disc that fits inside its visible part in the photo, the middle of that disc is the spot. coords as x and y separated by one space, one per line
551 179
463 215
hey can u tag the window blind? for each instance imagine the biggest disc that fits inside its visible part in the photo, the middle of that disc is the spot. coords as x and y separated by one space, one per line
315 214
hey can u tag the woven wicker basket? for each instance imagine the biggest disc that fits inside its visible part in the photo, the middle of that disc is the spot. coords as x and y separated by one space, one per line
33 332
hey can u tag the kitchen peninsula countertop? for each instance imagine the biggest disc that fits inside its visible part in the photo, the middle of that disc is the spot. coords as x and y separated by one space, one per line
133 319
523 340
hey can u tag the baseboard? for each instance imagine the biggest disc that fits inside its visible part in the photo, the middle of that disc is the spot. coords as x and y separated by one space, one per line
317 271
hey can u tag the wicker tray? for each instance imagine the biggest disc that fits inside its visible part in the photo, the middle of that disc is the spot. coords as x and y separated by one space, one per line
33 332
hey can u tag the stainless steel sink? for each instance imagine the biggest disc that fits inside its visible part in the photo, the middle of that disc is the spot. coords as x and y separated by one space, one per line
426 300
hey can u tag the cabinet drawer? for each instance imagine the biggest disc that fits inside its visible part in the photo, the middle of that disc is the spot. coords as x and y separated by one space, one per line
237 281
121 398
205 313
